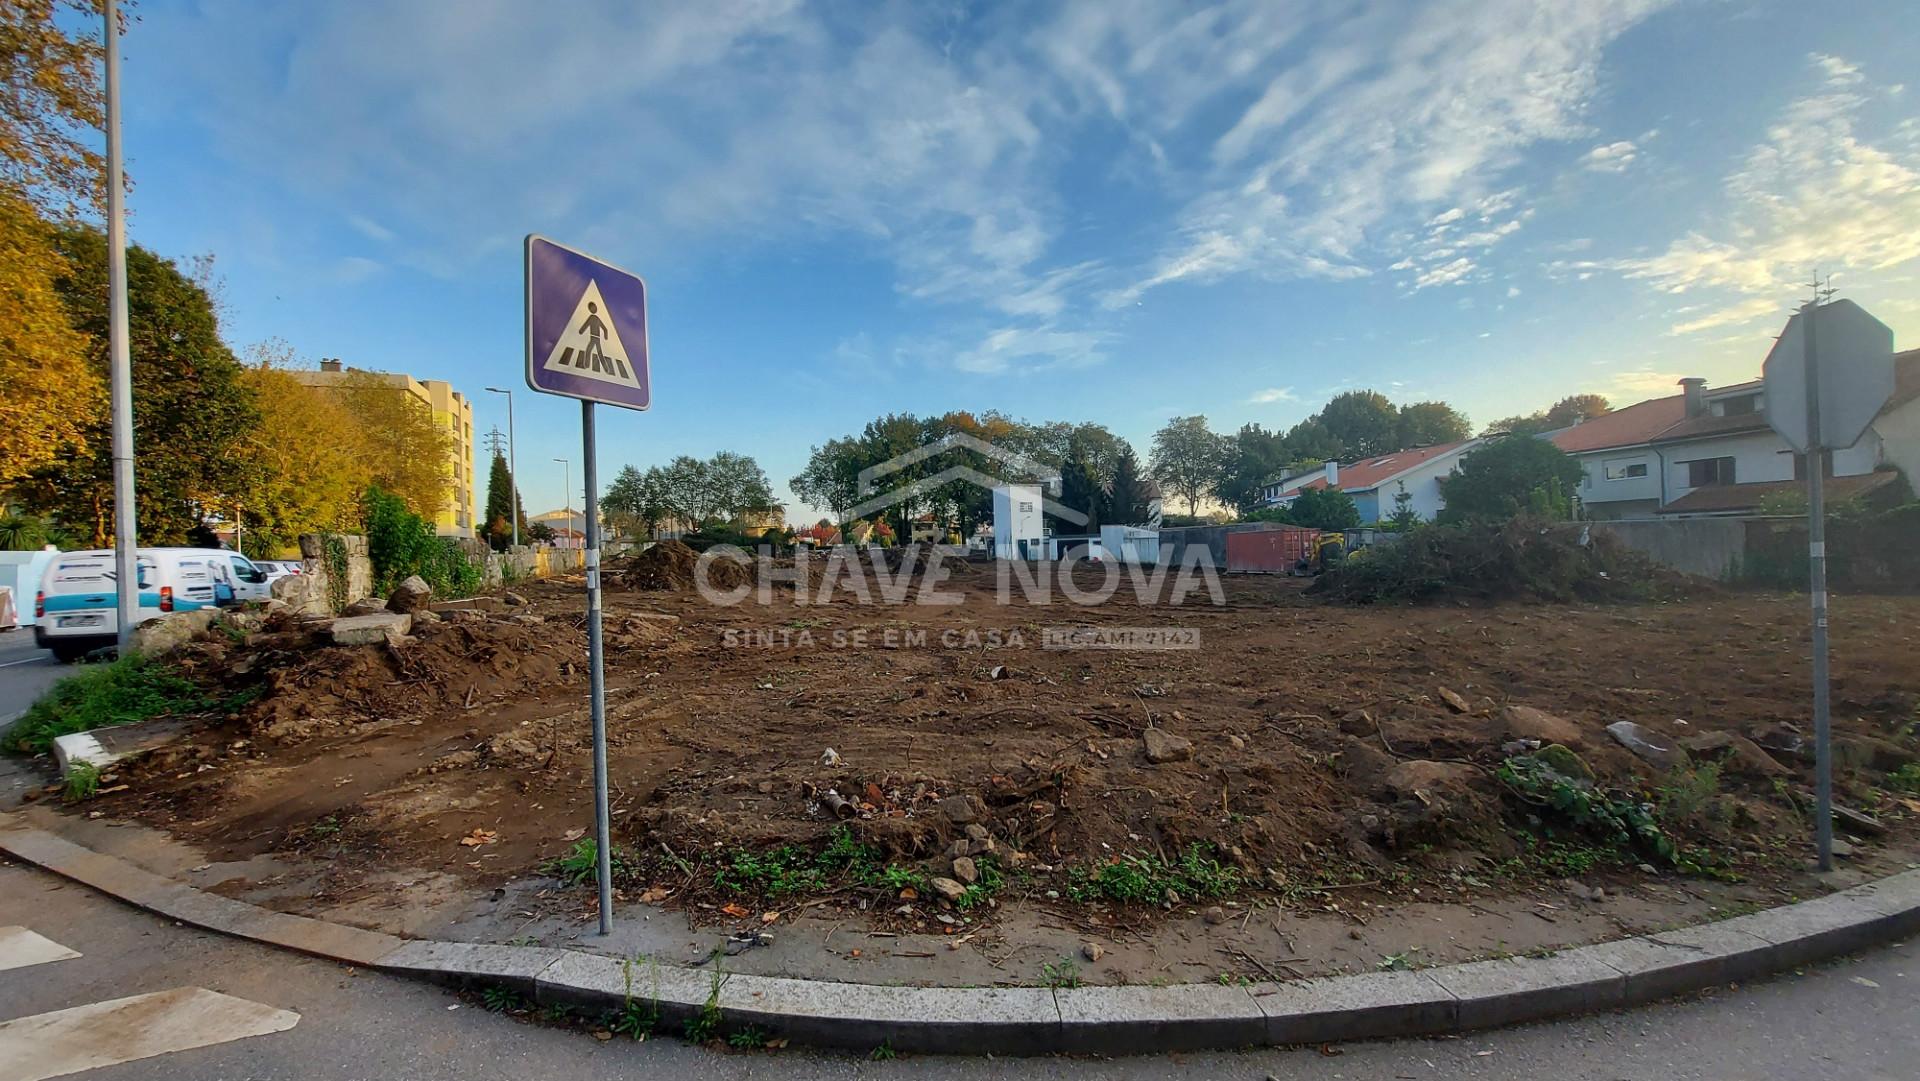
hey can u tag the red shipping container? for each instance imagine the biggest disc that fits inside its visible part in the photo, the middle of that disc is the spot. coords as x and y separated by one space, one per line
1274 551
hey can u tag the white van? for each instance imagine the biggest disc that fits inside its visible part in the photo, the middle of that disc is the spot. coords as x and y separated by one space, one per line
77 607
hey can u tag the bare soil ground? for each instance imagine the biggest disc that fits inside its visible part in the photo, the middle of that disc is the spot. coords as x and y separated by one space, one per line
1331 748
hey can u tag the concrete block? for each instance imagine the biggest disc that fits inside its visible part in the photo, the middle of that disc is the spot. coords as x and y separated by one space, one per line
462 963
931 1020
1529 988
1897 896
1369 1006
1673 962
1142 1020
370 629
80 747
603 984
1816 930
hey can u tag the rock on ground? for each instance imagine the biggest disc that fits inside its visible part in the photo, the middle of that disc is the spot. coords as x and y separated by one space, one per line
157 637
412 594
1648 744
1526 722
365 606
947 889
1163 746
369 629
1743 757
965 871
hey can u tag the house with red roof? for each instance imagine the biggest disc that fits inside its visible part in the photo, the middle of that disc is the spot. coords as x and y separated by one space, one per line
1711 451
1376 483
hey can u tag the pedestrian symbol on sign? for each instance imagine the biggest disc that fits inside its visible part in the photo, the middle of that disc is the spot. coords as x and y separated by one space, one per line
590 347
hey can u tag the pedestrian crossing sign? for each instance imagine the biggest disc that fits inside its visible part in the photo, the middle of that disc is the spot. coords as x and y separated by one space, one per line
586 327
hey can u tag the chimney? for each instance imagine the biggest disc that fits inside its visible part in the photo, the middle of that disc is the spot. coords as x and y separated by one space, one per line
329 365
1333 473
1694 389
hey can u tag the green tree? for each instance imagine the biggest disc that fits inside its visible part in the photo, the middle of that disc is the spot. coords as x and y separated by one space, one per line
1186 457
1364 421
635 501
1312 441
1509 476
1131 494
410 454
1253 456
831 476
1426 424
304 467
192 409
1566 412
1079 491
503 505
1323 508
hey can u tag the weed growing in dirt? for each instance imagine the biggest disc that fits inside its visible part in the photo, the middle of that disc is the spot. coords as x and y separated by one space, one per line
581 864
83 780
705 1025
635 1019
1397 962
790 869
991 879
1062 973
1153 879
883 1053
751 1038
1905 779
502 999
1556 800
1687 793
102 695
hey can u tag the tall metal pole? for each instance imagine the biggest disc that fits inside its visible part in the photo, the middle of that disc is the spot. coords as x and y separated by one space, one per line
513 468
126 543
597 678
1817 569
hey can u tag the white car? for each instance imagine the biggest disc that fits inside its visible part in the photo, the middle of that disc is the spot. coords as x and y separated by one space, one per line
276 569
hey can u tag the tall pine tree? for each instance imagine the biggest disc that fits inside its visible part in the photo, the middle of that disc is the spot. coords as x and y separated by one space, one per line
501 496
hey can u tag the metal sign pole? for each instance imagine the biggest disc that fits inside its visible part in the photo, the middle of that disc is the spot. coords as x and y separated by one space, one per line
597 676
126 542
1817 569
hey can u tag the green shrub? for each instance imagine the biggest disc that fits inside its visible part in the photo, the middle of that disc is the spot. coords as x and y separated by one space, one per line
1562 802
1524 559
1147 879
103 695
401 543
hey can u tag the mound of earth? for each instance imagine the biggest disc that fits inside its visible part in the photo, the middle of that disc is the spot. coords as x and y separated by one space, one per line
669 565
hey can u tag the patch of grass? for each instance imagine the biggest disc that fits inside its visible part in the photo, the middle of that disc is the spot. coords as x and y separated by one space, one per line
581 864
101 696
1062 973
990 883
1687 793
83 780
1905 779
705 1025
883 1053
1148 879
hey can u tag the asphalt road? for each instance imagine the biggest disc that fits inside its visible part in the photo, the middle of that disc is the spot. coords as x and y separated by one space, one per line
25 671
1851 1020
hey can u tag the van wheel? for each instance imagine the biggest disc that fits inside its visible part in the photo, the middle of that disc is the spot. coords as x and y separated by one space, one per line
67 652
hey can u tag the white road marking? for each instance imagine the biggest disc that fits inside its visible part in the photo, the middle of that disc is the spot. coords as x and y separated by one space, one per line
29 660
129 1029
20 947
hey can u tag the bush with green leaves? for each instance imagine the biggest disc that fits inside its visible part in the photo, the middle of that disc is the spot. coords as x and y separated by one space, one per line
1149 878
1563 803
401 543
1509 477
1522 559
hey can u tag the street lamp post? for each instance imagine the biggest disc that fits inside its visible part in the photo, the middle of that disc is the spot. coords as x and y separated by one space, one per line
126 543
566 471
513 469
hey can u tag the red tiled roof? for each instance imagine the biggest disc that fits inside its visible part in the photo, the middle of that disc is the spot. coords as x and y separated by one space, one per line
1734 497
1707 424
1370 473
1629 427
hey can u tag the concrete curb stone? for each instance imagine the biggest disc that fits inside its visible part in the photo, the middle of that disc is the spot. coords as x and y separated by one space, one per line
1034 1020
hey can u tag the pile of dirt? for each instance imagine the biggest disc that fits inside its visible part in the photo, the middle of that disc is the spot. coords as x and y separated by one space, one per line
1523 559
669 565
446 665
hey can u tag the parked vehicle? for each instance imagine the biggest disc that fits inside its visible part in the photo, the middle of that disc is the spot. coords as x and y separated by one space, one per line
76 609
276 569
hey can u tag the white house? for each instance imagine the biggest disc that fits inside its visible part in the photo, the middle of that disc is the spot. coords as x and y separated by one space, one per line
1377 483
1711 452
1019 526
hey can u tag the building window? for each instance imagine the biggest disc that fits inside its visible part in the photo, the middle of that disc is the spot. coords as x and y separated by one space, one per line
1626 469
1702 472
1743 406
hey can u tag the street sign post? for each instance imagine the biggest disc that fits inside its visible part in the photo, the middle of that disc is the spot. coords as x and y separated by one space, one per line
587 339
1825 380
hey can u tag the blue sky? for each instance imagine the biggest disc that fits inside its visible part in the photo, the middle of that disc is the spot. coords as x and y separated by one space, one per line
1106 211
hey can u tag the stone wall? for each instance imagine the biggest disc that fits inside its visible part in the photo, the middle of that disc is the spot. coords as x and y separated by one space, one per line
1708 547
312 593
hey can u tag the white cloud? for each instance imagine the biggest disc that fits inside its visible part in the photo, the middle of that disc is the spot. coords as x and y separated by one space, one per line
1512 291
1273 394
1642 383
1813 195
1612 157
1044 346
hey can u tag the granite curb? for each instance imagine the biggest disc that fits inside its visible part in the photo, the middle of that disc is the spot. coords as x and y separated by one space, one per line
1038 1020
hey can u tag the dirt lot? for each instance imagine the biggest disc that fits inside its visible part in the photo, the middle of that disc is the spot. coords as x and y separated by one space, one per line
1328 745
